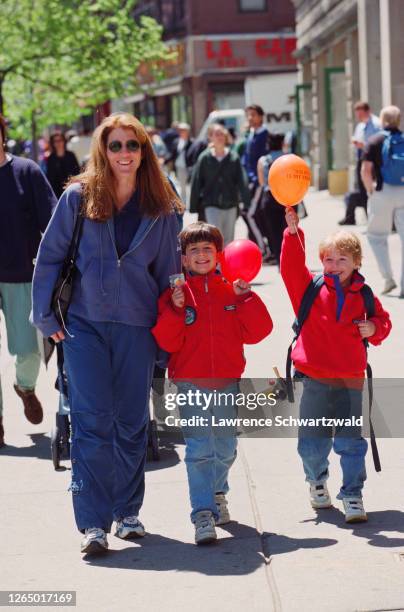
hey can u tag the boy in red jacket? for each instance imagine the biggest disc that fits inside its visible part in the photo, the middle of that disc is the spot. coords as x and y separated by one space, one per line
330 357
204 324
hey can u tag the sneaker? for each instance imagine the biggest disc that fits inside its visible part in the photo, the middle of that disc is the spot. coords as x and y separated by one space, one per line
221 504
354 510
129 527
32 406
205 531
94 541
2 443
319 496
389 285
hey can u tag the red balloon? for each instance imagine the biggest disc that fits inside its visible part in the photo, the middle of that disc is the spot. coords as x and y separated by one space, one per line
289 179
241 259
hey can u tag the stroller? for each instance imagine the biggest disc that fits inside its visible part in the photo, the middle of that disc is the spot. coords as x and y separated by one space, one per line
61 430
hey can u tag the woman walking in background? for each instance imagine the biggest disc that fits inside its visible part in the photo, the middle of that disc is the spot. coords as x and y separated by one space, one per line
219 184
61 163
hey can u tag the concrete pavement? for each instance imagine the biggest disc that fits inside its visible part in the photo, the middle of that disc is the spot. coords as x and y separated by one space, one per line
277 555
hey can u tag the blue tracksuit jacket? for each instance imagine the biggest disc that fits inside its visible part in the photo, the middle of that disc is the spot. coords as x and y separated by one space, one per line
107 288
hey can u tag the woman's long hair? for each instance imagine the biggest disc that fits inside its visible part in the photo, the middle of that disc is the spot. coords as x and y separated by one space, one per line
156 195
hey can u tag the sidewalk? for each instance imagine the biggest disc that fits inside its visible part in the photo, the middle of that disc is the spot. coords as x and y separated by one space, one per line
277 555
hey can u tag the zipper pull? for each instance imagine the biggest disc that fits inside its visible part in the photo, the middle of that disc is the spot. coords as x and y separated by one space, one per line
119 263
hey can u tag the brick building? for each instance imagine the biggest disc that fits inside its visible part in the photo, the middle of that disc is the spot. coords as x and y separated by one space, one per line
218 45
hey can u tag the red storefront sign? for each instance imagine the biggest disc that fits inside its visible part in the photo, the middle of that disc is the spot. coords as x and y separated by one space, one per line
244 53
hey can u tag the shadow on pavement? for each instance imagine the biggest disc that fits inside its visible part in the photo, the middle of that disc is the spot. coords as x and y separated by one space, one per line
168 456
378 522
278 544
226 557
40 448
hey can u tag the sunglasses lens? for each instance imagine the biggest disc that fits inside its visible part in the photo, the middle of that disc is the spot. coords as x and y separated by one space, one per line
133 145
115 146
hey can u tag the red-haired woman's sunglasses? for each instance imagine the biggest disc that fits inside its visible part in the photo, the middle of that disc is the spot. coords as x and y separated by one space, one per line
131 145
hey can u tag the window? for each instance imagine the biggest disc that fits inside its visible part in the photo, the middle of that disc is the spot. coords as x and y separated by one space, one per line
252 6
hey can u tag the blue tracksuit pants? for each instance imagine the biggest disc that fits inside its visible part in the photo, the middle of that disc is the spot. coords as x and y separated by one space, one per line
109 370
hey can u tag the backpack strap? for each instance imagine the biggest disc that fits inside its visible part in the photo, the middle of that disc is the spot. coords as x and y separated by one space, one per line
310 294
369 301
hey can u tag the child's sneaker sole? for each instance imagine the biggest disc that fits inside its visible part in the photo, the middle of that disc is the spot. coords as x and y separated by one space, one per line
94 548
321 505
206 540
357 519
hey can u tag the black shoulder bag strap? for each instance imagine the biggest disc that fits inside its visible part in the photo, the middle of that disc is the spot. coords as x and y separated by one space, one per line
369 301
310 294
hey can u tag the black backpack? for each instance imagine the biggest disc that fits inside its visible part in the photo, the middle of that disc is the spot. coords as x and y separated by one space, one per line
309 296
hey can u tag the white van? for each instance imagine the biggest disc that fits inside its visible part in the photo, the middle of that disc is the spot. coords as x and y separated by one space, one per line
232 118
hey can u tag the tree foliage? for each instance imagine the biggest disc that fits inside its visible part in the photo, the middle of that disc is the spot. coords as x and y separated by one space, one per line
60 58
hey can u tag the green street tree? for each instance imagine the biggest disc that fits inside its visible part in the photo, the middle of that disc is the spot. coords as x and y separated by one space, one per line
60 58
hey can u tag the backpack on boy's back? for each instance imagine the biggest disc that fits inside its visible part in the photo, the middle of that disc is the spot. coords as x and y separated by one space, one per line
392 169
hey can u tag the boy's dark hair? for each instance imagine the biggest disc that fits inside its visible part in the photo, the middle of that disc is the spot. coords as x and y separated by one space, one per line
255 107
200 232
3 128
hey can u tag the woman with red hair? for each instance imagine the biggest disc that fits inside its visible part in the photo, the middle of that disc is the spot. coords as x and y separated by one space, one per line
127 251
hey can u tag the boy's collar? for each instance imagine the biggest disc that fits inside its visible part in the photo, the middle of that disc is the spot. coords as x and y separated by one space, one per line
356 284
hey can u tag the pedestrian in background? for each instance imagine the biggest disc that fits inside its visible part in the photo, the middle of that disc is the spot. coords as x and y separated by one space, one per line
61 164
256 146
26 202
127 251
383 177
219 184
181 148
368 125
159 147
270 214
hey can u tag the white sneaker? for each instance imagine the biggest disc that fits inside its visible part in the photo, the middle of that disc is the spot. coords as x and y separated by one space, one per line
94 541
319 496
129 527
221 504
205 531
354 510
389 285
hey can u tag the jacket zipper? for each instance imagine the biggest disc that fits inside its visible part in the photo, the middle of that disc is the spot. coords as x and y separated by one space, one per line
212 361
119 259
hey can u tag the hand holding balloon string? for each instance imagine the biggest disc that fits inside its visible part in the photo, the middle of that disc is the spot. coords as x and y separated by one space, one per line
241 287
292 220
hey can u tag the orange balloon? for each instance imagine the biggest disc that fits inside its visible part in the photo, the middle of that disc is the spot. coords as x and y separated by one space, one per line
289 179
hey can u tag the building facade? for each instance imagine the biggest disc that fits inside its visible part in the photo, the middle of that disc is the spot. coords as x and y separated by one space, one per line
347 50
217 45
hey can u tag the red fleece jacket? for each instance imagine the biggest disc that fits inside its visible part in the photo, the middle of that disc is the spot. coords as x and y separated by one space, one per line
206 337
329 344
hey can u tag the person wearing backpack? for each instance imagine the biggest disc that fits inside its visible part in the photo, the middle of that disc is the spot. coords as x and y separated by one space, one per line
219 184
383 176
330 358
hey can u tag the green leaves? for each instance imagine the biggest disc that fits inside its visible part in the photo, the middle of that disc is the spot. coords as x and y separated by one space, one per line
60 58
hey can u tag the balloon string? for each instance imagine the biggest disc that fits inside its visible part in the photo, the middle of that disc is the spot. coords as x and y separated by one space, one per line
295 228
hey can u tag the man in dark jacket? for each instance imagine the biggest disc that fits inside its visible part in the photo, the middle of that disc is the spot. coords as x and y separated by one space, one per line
26 202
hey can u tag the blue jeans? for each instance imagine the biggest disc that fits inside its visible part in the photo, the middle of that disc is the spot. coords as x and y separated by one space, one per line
109 369
314 446
210 451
